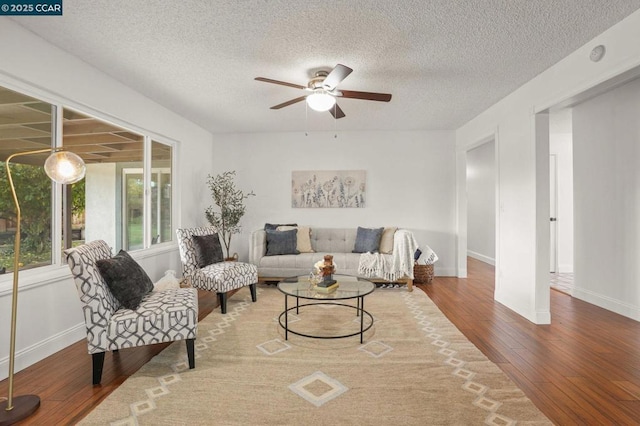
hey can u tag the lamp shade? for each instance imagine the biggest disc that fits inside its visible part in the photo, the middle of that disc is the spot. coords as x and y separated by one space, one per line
64 167
320 100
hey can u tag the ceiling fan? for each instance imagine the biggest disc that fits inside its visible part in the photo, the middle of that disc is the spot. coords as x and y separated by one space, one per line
323 88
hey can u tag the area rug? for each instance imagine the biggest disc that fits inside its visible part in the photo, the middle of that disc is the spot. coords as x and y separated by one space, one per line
413 368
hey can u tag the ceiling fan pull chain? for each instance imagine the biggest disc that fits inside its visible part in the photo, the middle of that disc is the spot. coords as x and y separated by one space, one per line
306 119
335 121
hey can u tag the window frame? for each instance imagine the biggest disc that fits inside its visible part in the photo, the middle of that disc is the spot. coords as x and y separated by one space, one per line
58 270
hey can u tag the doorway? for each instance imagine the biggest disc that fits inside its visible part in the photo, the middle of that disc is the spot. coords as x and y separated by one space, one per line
561 218
481 202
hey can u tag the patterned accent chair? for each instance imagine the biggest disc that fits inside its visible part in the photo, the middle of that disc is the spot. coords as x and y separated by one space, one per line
220 277
163 316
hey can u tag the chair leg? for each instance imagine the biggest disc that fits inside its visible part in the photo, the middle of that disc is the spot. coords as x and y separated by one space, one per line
191 354
98 363
222 298
254 293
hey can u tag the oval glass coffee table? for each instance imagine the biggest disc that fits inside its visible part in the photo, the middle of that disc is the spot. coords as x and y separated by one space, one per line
349 288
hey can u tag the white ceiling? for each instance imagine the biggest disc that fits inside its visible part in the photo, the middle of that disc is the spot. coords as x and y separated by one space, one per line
444 61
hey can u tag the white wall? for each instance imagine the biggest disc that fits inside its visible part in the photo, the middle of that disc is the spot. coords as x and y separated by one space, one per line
49 315
522 248
410 182
561 145
481 203
606 133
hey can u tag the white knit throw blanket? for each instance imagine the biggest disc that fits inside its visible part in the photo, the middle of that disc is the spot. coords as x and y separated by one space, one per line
395 266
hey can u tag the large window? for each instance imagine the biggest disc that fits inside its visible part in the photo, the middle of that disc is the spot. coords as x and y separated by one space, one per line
26 124
116 182
125 198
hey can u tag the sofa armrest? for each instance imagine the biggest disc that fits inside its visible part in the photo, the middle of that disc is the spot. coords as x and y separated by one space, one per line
257 246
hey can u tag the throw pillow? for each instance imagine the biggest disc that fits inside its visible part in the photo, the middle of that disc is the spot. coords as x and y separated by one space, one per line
208 249
128 282
282 242
367 240
274 226
386 241
303 244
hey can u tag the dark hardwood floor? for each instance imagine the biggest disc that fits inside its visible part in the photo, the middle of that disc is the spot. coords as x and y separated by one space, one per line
584 368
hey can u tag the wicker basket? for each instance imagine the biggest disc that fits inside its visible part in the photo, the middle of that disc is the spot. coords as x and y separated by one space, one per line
422 274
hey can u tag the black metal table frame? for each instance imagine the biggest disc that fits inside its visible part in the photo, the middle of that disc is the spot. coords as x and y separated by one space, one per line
360 312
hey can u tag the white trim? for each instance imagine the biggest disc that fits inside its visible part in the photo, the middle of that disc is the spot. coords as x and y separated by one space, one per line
481 257
618 306
565 268
44 348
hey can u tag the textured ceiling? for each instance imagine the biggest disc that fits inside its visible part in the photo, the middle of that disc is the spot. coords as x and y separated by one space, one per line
444 61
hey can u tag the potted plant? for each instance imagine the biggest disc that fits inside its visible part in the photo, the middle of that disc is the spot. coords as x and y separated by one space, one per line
230 201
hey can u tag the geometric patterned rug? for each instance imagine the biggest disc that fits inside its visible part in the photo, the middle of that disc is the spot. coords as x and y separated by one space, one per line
414 368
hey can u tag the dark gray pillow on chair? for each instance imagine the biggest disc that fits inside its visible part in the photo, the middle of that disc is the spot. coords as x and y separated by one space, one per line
128 282
274 226
208 249
368 240
282 242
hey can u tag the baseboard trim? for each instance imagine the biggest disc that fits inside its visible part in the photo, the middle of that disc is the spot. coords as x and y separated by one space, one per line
605 302
38 351
481 257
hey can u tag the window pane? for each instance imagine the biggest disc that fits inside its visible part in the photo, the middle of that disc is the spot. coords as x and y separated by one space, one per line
25 125
113 190
160 193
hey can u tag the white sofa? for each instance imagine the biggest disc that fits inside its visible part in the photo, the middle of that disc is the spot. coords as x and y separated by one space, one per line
336 241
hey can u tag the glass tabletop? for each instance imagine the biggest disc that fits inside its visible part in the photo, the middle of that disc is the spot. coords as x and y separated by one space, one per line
348 288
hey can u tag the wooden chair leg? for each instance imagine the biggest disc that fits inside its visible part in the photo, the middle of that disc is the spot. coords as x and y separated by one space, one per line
222 298
191 354
254 293
98 363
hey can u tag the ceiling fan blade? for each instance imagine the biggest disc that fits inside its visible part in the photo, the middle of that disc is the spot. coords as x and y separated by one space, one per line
291 102
336 111
339 73
282 83
369 96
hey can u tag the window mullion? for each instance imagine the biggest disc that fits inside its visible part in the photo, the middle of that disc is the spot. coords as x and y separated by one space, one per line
146 173
57 218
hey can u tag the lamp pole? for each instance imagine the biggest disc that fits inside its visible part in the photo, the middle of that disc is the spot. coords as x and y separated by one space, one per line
15 409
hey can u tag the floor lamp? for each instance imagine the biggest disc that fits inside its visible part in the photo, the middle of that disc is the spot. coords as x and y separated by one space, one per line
62 167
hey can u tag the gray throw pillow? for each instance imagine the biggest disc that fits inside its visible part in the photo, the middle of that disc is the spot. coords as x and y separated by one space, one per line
208 249
274 226
368 240
128 282
282 242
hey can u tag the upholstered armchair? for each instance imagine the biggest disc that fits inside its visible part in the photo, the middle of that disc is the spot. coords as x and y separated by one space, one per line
162 316
219 276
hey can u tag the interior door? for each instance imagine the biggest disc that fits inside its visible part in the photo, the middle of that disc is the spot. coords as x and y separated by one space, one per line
553 211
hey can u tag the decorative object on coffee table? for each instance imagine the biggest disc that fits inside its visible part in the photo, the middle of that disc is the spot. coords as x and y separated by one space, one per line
325 268
230 202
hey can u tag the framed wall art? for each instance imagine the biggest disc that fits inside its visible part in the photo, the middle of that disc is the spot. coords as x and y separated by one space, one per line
328 189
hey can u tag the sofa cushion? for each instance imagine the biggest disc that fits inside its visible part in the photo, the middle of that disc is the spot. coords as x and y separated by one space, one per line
207 249
333 240
303 244
386 241
128 282
282 242
367 240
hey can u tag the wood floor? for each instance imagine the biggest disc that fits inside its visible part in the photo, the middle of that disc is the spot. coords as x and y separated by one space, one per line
584 368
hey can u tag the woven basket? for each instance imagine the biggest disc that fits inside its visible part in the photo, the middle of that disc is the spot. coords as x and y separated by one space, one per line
422 274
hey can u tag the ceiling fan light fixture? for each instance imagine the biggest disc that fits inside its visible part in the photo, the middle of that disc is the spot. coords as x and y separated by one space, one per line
320 100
